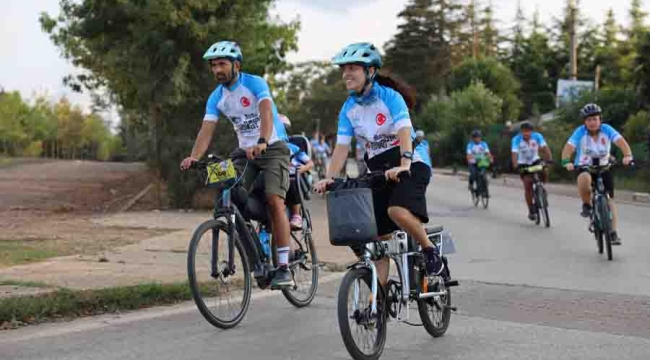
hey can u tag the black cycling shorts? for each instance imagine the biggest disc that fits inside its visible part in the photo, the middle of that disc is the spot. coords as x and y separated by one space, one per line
608 181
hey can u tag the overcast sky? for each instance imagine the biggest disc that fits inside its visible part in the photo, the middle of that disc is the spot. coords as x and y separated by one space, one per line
30 63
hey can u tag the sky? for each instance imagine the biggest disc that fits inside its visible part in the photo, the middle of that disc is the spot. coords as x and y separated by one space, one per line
30 63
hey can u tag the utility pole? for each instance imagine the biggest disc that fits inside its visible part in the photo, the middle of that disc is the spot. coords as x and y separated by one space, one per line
573 56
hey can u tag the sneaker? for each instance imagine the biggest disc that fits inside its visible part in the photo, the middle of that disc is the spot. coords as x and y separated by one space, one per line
586 211
615 239
433 261
281 278
296 222
532 216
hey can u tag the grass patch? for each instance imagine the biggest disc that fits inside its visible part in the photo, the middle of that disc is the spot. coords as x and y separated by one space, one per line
34 284
20 252
68 304
4 161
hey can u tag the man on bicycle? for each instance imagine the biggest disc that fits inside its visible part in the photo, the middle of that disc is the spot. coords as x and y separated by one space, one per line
593 142
476 150
246 101
526 149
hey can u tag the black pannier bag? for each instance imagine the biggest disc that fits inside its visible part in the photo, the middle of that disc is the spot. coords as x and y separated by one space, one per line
351 217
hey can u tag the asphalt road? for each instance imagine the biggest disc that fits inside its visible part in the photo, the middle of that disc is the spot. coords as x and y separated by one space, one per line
526 292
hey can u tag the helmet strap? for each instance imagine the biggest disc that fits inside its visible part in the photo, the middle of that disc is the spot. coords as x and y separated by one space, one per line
369 80
234 75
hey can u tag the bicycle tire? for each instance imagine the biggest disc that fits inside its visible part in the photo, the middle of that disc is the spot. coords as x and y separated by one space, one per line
599 239
362 274
605 225
537 205
195 286
427 322
290 293
485 199
544 209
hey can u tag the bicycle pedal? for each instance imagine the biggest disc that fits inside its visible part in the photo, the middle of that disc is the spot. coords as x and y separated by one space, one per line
451 283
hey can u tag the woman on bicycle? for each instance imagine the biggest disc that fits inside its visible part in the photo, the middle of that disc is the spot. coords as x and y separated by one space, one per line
376 113
593 142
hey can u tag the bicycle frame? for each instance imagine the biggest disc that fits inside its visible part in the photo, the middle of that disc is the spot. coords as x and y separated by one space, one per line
390 249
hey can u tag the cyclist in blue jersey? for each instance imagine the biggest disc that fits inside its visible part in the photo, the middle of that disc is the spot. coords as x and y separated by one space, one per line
476 151
377 114
592 143
245 100
421 139
526 149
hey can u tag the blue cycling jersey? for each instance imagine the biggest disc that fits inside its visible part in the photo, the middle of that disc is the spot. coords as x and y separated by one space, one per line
240 104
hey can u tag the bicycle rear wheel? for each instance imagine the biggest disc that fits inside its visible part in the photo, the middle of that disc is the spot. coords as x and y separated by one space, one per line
221 293
354 312
303 265
435 312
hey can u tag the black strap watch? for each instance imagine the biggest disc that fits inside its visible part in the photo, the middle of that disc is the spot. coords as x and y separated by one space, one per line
408 155
262 141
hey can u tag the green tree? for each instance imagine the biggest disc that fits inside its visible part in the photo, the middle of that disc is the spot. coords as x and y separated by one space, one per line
608 54
637 127
642 72
13 114
475 107
148 56
496 77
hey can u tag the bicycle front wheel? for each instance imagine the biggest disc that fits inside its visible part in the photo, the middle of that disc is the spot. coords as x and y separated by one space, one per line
221 288
364 333
543 201
435 312
605 225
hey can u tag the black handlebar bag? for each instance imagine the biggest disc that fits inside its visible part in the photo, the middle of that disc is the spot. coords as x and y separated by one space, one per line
351 217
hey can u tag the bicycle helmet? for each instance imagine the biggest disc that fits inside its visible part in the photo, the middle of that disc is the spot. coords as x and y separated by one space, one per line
419 133
477 133
364 54
590 110
526 126
224 49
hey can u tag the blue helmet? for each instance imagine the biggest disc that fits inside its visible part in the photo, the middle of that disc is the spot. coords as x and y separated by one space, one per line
224 49
360 53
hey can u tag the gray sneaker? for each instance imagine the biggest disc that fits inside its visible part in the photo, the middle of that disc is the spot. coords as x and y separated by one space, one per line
282 278
615 239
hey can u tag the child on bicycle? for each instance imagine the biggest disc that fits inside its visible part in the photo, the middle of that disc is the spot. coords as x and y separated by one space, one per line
299 166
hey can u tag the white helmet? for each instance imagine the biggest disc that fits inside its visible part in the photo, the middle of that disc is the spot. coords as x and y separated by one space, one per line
285 120
419 133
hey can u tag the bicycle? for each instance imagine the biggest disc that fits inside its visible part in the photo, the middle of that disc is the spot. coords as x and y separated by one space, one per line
432 294
600 220
540 197
248 248
479 190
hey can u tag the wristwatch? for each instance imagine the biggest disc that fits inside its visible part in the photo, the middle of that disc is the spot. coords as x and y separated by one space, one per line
408 155
262 141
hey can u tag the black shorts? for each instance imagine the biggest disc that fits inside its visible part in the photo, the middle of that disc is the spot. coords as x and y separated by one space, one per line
608 181
408 193
293 197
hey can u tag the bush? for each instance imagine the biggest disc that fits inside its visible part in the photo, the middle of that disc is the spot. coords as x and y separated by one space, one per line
617 104
636 128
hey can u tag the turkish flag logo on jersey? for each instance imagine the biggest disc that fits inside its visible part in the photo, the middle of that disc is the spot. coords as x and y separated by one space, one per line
244 101
380 119
603 141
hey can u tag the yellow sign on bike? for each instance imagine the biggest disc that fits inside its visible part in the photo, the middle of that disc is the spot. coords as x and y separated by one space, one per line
220 172
535 168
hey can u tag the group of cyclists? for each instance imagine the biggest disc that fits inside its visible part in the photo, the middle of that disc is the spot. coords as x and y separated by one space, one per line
591 143
376 115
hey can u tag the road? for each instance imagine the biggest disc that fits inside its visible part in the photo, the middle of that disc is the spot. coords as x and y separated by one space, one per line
526 293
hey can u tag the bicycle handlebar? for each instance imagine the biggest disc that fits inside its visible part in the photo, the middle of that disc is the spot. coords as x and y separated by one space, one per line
372 180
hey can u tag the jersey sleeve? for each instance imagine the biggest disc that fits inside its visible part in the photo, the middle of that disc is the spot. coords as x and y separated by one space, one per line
486 147
576 137
399 112
515 144
345 130
468 148
610 132
259 88
303 157
211 110
540 140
